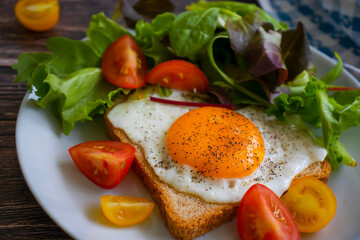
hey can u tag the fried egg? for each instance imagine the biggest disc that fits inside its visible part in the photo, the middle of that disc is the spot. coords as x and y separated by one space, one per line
216 153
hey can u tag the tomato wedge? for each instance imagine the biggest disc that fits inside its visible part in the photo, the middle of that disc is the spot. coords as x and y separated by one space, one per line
105 163
262 215
124 210
311 202
178 74
37 15
124 64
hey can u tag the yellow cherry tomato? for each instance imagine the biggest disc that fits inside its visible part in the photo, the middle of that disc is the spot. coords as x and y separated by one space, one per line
311 202
124 210
37 15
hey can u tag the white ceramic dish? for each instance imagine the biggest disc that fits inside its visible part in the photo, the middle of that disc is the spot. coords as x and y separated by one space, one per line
73 202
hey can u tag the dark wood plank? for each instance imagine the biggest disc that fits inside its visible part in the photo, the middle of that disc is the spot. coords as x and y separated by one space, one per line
75 16
21 217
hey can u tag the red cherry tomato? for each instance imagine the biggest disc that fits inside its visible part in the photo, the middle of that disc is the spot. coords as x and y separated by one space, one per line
178 74
124 63
105 163
262 215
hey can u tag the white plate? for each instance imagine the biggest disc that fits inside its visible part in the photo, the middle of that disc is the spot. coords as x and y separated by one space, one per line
73 202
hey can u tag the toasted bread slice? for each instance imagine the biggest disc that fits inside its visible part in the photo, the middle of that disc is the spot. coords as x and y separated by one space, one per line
320 170
188 216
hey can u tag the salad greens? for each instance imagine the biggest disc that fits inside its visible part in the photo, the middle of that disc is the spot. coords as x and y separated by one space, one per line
191 31
295 49
248 57
70 79
150 36
235 10
316 108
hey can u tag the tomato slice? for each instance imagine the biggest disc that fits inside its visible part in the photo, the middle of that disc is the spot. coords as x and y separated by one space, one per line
37 15
178 74
105 163
124 210
262 215
124 64
311 202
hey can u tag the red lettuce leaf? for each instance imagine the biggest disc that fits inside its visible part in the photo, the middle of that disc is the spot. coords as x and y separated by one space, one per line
273 56
242 30
263 56
295 50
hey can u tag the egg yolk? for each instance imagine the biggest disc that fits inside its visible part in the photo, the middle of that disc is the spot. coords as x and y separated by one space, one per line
217 142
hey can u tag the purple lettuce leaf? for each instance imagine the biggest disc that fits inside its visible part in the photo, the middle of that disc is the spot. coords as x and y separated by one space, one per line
295 50
242 30
263 56
221 94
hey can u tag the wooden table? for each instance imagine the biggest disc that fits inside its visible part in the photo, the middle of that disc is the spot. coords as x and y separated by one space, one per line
21 217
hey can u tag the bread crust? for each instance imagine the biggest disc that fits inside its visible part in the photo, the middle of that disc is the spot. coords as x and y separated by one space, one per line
187 216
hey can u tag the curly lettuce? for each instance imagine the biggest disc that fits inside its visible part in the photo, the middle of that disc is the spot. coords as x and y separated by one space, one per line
69 78
333 113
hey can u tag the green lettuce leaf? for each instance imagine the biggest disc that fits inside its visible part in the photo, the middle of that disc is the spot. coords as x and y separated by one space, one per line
346 97
71 55
103 31
334 114
26 64
337 154
336 118
192 31
99 40
150 37
78 96
335 72
105 25
235 10
302 105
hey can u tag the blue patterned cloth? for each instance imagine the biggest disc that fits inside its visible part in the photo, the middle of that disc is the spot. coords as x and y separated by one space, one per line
332 25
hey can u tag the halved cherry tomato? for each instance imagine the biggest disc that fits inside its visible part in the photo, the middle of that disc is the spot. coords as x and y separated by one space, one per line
105 163
37 15
178 74
125 211
311 202
262 215
124 64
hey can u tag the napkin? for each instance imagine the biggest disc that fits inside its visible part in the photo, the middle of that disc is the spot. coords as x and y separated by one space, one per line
332 25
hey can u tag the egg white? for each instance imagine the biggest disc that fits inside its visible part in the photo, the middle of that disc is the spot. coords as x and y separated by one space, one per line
287 150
